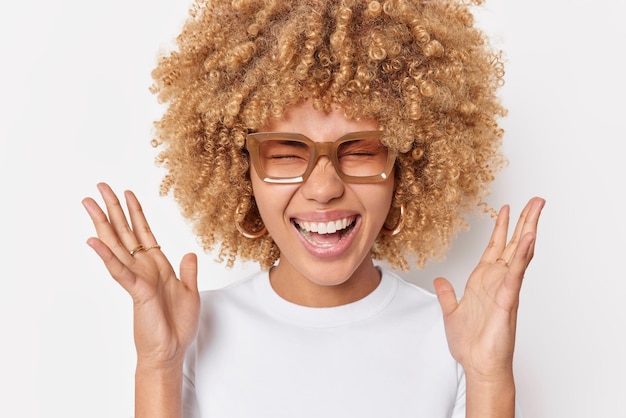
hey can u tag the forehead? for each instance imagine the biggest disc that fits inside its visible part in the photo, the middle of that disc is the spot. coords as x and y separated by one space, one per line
316 124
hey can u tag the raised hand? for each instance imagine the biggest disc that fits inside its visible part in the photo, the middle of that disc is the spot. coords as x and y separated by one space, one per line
480 328
166 308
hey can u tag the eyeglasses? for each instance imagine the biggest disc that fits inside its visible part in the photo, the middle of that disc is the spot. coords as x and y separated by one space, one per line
358 157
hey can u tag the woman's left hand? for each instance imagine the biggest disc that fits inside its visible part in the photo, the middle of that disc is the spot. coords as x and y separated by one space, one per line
480 328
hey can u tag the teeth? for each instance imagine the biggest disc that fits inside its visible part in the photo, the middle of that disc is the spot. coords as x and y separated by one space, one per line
325 227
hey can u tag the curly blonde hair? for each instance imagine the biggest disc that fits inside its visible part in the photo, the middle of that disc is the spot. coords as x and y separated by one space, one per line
419 67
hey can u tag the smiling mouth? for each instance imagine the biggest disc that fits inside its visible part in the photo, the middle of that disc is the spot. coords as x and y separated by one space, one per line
325 234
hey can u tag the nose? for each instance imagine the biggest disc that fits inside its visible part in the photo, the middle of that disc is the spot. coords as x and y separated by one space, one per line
323 184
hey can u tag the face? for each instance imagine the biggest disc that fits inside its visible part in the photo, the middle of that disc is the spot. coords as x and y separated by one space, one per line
301 217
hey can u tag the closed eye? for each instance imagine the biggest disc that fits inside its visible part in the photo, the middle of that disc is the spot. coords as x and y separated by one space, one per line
361 148
284 150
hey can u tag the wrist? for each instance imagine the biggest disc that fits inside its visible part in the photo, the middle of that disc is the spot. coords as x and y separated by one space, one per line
158 390
144 363
492 376
160 363
158 370
490 396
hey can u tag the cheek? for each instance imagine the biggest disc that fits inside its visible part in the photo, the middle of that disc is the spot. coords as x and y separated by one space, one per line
271 199
377 199
260 191
384 204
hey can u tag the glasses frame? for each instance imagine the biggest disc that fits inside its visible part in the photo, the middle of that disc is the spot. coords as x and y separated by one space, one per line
318 150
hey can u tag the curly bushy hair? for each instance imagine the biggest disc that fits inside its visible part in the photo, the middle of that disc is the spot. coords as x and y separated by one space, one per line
419 67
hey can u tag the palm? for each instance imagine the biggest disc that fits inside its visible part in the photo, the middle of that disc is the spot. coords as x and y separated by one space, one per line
481 327
166 309
166 315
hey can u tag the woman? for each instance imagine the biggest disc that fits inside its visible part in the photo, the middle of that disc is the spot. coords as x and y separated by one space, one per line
315 137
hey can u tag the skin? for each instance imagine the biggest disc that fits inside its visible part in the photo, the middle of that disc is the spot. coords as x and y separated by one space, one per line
166 307
303 276
480 327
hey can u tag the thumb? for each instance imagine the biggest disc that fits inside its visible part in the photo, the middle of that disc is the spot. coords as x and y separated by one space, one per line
446 295
189 271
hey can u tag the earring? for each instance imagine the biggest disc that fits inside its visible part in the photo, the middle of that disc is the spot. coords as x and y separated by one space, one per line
244 232
391 232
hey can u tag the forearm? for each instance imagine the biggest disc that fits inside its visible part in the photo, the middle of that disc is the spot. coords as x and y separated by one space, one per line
158 392
490 398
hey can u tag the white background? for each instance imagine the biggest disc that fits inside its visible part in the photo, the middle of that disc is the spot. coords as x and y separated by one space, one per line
75 110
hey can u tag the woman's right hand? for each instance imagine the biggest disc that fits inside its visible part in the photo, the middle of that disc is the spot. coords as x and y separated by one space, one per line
166 308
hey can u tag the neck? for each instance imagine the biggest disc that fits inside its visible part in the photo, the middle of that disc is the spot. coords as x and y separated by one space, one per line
297 288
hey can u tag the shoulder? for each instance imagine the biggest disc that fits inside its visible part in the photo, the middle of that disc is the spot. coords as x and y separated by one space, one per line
236 287
240 293
406 289
412 300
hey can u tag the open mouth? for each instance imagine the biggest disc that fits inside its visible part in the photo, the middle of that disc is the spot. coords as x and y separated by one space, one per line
325 234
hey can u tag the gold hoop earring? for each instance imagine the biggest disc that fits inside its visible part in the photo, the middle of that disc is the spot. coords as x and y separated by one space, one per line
391 232
244 232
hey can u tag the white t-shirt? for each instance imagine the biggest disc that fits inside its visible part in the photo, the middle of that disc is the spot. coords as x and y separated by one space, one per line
257 355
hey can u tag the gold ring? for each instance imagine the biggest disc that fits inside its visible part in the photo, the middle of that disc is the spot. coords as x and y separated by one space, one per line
152 246
506 263
136 250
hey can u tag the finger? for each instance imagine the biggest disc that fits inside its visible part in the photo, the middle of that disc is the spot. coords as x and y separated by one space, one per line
117 217
140 226
105 231
497 242
445 295
116 268
518 265
189 271
525 251
531 221
527 223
